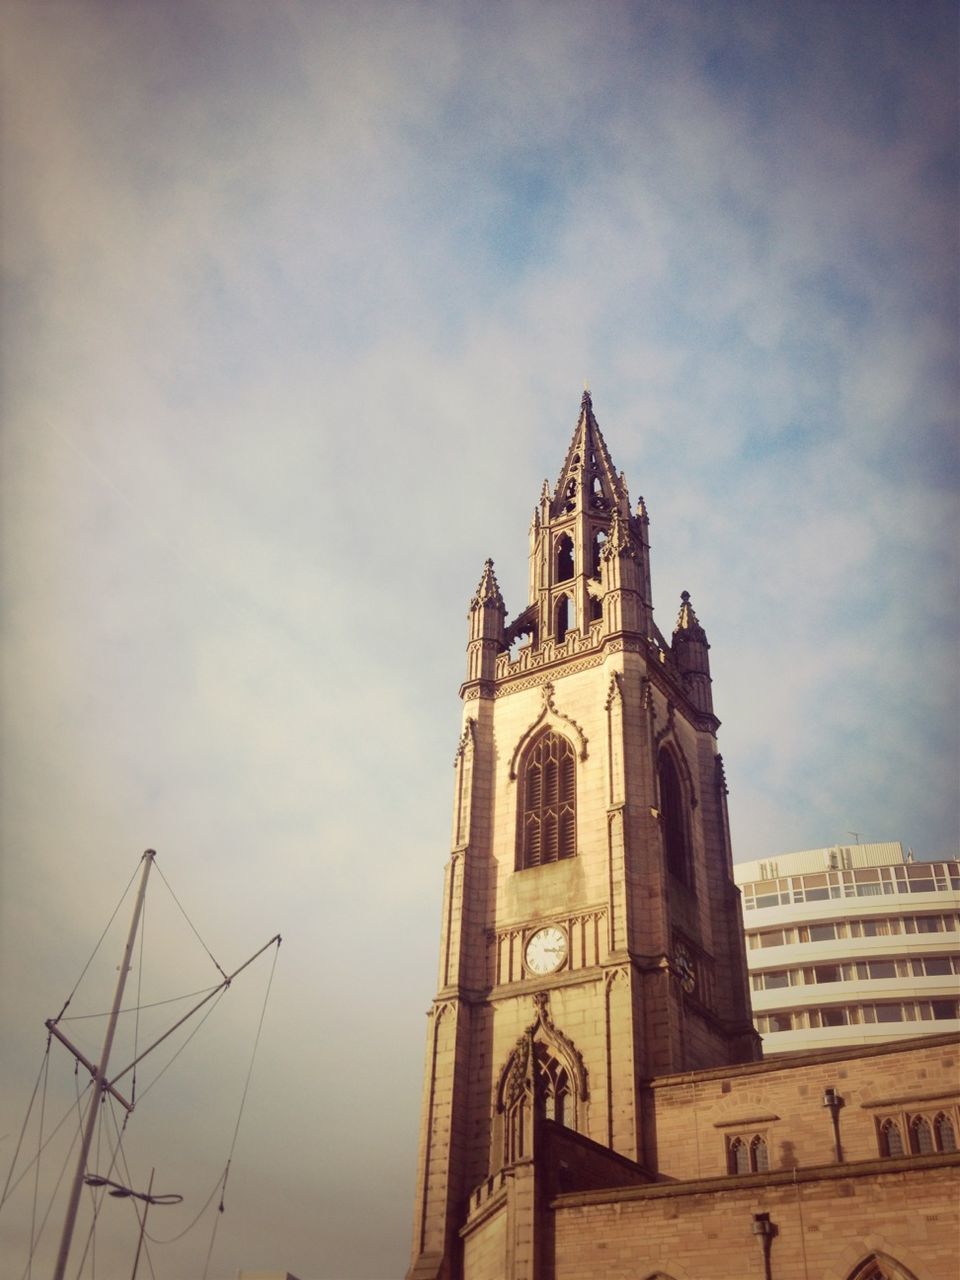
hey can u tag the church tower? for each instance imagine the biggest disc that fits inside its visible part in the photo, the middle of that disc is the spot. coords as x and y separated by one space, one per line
591 935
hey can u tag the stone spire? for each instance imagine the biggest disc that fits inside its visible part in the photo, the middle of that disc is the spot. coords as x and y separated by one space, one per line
488 591
690 648
588 480
487 613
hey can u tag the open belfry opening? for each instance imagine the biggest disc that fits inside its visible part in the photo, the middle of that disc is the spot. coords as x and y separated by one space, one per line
591 1035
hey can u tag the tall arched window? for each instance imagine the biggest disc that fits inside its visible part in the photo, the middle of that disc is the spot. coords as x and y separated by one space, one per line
674 820
564 558
599 539
564 618
548 802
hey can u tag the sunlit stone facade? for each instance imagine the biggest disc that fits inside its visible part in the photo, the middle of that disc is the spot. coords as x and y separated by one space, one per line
594 1101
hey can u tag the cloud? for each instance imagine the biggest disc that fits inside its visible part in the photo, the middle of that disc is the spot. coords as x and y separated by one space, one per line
299 302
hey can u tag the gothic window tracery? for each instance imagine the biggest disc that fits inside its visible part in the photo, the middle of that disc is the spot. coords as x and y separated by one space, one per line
946 1135
548 802
738 1157
921 1136
747 1154
879 1268
916 1134
537 1081
891 1141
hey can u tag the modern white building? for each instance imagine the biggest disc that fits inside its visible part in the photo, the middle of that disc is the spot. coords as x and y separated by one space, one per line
854 944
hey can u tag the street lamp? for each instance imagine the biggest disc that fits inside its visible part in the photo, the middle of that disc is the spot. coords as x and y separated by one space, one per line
833 1101
120 1192
764 1230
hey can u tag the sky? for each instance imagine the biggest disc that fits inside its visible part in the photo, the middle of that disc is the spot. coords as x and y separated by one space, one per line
299 300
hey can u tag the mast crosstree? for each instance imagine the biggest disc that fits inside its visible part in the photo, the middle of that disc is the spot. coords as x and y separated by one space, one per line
101 1079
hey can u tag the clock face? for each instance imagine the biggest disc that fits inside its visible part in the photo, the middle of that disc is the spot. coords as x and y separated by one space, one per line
684 969
546 950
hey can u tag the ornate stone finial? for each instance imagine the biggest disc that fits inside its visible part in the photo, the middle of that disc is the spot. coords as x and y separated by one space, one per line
488 592
688 624
585 401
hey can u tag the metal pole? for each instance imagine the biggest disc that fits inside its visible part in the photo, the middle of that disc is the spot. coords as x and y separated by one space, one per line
100 1077
143 1225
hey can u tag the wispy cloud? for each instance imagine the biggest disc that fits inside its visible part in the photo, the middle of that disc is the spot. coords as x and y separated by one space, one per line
298 303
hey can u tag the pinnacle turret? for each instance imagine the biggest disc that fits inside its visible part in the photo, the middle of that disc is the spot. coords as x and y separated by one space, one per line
688 624
488 590
690 648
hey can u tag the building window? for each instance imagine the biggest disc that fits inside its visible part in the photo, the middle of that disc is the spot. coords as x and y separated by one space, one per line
747 1155
945 1133
738 1156
873 1268
673 819
548 802
564 618
891 1143
921 1136
554 1088
759 1158
564 558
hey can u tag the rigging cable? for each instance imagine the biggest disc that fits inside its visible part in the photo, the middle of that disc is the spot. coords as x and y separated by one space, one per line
190 922
53 1133
243 1099
90 1244
155 1004
97 947
136 1021
169 1064
36 1176
26 1120
181 1234
63 1169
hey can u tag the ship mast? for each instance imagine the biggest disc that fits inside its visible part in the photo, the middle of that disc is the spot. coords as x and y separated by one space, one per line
99 1072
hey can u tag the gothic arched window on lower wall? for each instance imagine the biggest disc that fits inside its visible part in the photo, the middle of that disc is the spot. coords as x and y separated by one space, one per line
916 1133
747 1154
891 1139
548 802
